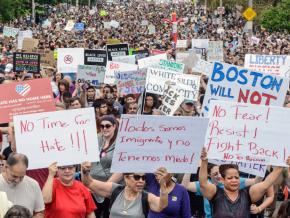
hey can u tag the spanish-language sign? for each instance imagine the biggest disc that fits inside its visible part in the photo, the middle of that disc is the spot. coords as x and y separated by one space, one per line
129 59
171 100
215 51
27 97
139 54
69 58
10 31
248 133
232 83
116 50
203 67
171 65
272 64
70 25
113 67
92 75
68 137
21 36
250 168
130 82
145 143
152 60
29 62
95 57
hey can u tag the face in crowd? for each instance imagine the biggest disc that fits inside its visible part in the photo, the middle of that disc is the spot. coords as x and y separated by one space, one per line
132 108
107 128
135 181
15 173
231 179
66 174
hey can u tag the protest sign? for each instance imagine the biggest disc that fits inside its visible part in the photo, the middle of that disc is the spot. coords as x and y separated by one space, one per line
27 97
29 44
46 57
114 23
95 57
107 25
144 23
116 50
70 25
156 79
79 26
203 67
171 65
215 51
129 59
69 59
139 54
29 62
68 137
10 31
113 41
113 67
130 82
21 36
250 168
151 29
248 133
92 75
181 44
152 60
271 64
200 46
188 86
157 52
145 143
232 83
171 100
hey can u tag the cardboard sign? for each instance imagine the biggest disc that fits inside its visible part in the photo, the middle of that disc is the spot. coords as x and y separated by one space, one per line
79 26
215 51
130 82
10 31
181 44
232 83
145 143
116 50
139 54
152 60
272 64
171 65
248 133
95 57
29 62
68 137
27 97
171 100
113 67
92 75
69 59
70 25
125 59
29 44
46 57
21 36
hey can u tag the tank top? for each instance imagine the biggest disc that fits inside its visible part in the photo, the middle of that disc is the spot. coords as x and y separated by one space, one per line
223 207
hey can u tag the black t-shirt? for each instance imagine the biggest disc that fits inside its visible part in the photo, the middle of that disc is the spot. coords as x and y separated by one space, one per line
7 151
223 207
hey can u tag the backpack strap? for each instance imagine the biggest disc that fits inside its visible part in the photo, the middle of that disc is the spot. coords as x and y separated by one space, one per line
145 203
115 194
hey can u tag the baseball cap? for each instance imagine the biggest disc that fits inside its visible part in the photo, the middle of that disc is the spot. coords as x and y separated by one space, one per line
8 68
188 102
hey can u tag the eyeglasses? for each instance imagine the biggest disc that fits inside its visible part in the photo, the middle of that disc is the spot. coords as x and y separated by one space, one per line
107 126
138 177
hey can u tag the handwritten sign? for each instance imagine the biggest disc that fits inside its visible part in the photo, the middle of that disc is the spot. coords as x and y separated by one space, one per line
10 31
152 60
70 25
203 67
171 100
113 67
248 133
29 62
92 75
272 64
21 36
95 57
232 83
200 46
69 58
29 44
27 97
115 50
46 57
68 137
129 59
215 51
145 143
188 86
131 82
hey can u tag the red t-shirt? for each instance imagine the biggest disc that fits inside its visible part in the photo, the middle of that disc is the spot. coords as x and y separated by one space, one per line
69 201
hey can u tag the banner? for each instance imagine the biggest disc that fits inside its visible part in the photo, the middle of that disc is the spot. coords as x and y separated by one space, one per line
95 57
21 36
130 59
70 25
10 31
278 65
232 83
69 59
113 67
152 60
29 62
27 97
131 82
92 75
68 137
145 143
116 50
248 133
215 51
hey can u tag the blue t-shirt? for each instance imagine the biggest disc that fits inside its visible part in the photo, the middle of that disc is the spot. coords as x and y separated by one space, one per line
206 204
178 200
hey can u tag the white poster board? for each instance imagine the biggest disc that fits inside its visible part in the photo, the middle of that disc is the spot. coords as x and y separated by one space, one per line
90 74
181 44
128 59
203 67
10 31
248 133
70 25
21 36
145 143
69 58
215 51
68 137
151 61
188 86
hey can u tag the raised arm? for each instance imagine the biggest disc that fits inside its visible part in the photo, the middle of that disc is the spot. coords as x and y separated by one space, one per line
116 177
103 189
208 189
190 186
253 181
48 186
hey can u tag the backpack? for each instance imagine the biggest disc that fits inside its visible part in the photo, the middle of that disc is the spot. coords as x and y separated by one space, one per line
144 198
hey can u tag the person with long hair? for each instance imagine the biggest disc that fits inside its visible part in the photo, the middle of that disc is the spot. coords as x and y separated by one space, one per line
64 94
284 210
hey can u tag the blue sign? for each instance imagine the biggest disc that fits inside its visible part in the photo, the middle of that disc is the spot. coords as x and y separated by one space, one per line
79 26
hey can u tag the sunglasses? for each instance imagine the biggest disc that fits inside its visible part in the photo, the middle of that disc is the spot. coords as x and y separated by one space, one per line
138 177
107 126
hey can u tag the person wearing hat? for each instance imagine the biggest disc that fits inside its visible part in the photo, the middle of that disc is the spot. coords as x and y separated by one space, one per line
188 108
9 74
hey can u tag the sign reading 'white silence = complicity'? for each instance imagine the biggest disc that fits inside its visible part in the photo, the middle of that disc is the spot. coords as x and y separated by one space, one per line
145 143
